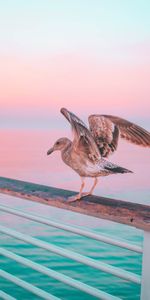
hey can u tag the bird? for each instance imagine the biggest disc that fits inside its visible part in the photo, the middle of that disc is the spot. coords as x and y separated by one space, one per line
87 153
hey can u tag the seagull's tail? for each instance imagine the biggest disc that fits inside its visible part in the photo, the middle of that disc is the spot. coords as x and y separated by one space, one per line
112 168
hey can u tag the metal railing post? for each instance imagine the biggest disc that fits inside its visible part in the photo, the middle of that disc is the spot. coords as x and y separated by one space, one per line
145 286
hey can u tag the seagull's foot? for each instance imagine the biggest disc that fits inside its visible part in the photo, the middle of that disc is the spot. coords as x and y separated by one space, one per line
74 198
86 194
78 197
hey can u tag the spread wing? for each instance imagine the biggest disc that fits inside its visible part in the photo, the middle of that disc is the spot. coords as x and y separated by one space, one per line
106 130
83 140
131 132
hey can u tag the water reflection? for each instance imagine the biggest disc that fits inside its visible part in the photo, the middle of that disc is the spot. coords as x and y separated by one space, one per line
23 156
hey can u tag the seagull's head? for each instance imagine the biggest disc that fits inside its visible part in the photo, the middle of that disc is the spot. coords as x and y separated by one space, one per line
60 144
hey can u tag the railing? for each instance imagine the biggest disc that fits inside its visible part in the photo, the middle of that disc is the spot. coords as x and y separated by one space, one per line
131 214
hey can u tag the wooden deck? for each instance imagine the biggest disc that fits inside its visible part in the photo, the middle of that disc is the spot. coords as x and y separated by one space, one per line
124 212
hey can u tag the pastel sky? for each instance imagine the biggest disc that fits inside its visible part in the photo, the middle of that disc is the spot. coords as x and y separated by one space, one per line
91 56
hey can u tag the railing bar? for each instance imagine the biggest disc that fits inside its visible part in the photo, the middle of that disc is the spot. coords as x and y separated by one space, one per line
5 296
100 237
75 256
145 285
58 276
27 286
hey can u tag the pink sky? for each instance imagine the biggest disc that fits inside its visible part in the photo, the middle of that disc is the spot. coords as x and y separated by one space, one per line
87 56
32 89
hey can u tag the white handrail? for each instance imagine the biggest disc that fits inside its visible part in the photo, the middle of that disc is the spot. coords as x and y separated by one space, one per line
5 296
75 256
99 237
28 286
58 276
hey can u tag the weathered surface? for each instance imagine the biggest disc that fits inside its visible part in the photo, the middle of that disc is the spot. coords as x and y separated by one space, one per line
132 214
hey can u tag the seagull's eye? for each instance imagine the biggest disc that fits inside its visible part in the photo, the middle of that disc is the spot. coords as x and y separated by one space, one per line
57 143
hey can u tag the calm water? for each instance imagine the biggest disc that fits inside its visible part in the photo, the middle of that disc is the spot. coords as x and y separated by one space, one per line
26 160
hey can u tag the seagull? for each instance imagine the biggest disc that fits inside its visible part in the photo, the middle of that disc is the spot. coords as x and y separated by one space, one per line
88 151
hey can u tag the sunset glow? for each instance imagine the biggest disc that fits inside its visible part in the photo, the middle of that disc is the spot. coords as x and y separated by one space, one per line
89 56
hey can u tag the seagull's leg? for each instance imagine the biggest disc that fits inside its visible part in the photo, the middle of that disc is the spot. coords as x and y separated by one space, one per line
92 188
78 196
94 185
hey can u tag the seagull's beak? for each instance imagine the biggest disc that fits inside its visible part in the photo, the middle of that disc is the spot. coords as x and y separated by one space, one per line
50 151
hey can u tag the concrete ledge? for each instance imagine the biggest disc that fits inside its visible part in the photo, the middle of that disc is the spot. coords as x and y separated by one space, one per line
133 214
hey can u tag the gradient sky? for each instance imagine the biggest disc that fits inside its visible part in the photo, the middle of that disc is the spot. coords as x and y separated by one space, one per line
89 56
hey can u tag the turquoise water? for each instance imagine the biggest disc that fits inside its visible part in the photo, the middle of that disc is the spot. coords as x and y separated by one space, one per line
115 256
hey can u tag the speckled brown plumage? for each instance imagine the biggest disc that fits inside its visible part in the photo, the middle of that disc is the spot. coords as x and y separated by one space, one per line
106 130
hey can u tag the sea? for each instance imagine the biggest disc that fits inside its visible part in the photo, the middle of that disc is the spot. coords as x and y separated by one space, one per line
23 156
